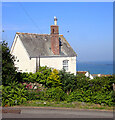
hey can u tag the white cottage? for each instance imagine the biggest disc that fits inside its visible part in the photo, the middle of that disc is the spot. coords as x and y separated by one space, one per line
34 50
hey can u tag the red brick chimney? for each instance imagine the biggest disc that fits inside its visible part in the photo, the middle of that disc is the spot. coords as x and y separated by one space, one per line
55 37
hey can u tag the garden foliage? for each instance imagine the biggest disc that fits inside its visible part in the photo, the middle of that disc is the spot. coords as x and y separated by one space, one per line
55 85
68 81
53 79
14 94
8 69
55 94
62 86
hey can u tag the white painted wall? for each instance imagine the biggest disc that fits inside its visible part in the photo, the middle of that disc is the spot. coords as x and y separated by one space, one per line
57 63
54 62
21 56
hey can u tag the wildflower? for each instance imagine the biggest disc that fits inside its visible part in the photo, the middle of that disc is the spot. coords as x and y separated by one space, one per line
35 87
30 86
44 103
6 105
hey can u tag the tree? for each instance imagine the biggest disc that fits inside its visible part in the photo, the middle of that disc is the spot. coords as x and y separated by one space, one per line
8 69
68 81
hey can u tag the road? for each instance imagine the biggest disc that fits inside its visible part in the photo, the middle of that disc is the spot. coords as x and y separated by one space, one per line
58 113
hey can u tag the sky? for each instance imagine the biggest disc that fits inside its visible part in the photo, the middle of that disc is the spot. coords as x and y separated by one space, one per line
87 26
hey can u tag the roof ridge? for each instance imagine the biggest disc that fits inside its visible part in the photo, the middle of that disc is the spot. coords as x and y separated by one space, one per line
35 33
31 33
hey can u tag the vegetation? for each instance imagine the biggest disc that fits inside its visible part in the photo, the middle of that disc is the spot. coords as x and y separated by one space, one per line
65 104
62 86
14 94
8 69
68 81
52 85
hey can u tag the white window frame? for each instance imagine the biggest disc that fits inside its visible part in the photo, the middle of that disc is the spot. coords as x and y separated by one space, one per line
65 65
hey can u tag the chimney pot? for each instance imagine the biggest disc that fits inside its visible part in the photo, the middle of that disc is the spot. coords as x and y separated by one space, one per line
55 20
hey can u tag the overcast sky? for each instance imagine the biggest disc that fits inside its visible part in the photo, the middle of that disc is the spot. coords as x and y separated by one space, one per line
88 27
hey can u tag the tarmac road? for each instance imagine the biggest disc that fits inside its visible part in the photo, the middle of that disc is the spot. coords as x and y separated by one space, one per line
58 113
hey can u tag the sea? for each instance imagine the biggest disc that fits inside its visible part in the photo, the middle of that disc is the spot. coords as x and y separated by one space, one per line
96 67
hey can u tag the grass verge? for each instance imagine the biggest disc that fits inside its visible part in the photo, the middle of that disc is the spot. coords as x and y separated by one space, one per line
65 104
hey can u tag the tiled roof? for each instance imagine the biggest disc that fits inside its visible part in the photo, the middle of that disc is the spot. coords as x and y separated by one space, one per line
40 44
105 75
82 72
100 75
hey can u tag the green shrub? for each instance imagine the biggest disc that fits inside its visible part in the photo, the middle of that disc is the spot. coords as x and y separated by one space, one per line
39 77
8 69
68 81
87 96
75 96
59 86
82 82
36 95
42 75
55 94
14 94
103 98
53 80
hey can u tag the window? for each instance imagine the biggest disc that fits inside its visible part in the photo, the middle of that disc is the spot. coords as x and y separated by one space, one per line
65 65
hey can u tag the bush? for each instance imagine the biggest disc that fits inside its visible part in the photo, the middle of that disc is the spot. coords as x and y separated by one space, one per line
36 95
79 88
68 81
42 75
53 80
8 69
55 94
86 96
55 85
14 94
82 82
39 77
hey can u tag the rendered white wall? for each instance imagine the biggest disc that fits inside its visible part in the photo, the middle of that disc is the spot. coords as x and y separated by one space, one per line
20 54
54 62
57 63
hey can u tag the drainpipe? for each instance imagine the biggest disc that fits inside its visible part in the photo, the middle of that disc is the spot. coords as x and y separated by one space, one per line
39 61
36 64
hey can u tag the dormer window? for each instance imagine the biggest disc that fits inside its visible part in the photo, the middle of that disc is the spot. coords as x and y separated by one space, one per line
65 65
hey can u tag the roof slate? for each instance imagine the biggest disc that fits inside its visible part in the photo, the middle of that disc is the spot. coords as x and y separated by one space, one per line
40 44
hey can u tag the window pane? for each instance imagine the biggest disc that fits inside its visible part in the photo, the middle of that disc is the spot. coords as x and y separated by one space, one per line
65 67
65 62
